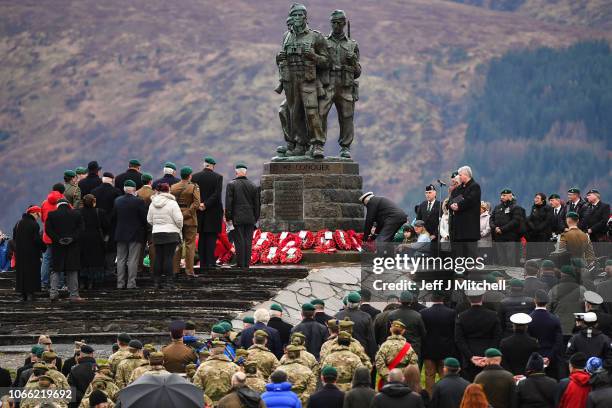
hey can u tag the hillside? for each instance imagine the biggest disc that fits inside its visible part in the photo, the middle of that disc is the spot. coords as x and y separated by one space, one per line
175 81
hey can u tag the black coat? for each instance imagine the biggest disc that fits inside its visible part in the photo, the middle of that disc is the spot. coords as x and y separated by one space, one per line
106 195
448 392
516 350
600 397
242 202
546 328
369 309
499 386
65 223
431 218
536 391
130 216
604 322
506 216
439 342
382 210
558 220
68 364
211 188
531 284
89 183
96 225
323 318
415 327
363 330
315 334
274 343
511 304
394 395
578 208
540 223
283 328
329 396
29 247
5 378
465 222
476 330
81 375
166 178
595 345
129 174
596 218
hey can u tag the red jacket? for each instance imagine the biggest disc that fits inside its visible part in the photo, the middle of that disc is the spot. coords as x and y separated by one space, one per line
223 246
50 204
577 391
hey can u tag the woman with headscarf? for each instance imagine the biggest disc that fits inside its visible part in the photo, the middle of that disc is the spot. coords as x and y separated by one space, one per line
29 247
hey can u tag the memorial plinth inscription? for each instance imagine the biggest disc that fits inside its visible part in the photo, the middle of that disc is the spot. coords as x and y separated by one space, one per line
289 200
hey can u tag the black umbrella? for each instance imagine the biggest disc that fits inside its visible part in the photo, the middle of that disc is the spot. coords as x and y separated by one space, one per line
161 391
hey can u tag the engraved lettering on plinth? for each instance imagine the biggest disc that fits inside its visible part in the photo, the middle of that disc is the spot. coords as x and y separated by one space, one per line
288 200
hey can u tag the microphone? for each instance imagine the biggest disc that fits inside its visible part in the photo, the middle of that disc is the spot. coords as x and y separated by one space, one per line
440 182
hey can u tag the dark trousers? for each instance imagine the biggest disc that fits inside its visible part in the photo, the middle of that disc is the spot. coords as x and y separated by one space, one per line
206 249
388 230
164 256
244 243
464 249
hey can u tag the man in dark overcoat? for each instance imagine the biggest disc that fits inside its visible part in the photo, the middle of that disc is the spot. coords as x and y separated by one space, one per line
29 246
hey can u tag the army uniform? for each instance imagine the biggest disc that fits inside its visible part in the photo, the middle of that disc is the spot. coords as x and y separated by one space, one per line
58 378
306 358
72 193
188 198
125 369
214 376
116 358
43 382
266 361
304 51
355 347
85 403
139 371
344 68
302 379
346 362
389 350
103 383
154 370
256 383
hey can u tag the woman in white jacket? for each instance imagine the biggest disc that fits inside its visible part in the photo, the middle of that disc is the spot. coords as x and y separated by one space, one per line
485 242
167 220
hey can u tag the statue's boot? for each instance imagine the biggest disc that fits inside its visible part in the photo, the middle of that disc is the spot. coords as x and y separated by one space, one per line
298 150
345 152
318 152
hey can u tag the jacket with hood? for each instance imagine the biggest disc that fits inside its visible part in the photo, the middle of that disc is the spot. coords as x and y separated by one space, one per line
242 397
361 395
50 204
164 214
279 395
395 394
574 390
601 392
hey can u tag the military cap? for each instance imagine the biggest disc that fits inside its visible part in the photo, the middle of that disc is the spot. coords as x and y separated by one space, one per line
593 298
354 297
337 15
49 355
210 160
293 347
190 367
129 183
298 334
146 177
573 215
250 363
516 283
492 352
45 377
226 325
93 166
170 165
329 371
69 173
307 307
219 329
346 323
87 349
37 350
103 366
124 337
277 307
40 366
317 302
554 195
593 191
590 317
451 362
185 171
177 325
406 297
218 343
297 7
430 187
243 352
108 174
134 162
474 293
497 274
156 357
332 323
520 318
135 344
547 263
541 296
80 170
578 360
248 319
574 190
344 335
365 195
398 323
261 333
190 325
490 278
419 223
506 191
567 269
241 166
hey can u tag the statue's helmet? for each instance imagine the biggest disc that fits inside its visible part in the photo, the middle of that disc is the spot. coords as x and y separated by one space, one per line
297 7
337 15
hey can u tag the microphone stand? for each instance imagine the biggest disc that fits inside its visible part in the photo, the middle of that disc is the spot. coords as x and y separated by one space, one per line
439 240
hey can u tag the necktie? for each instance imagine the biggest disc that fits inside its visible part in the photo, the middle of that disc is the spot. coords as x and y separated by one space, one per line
429 207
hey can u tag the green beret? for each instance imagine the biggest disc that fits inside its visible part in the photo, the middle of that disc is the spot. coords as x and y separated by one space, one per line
69 173
129 183
491 278
307 307
345 300
219 329
406 297
506 191
317 302
226 326
555 195
227 323
354 297
451 362
574 190
277 307
547 263
146 177
329 371
261 333
516 283
609 262
170 165
578 262
209 160
185 171
37 350
567 269
497 274
593 191
337 15
80 170
134 162
241 166
492 352
248 319
573 215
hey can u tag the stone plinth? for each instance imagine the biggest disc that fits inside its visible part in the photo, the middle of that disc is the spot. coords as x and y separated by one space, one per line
311 195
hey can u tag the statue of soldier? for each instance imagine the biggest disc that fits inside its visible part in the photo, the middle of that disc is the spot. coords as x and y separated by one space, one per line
342 91
302 57
283 109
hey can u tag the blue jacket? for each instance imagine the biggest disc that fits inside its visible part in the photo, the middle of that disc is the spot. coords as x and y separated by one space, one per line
280 396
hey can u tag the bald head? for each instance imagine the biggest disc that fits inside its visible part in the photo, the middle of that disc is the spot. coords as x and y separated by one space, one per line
396 375
238 379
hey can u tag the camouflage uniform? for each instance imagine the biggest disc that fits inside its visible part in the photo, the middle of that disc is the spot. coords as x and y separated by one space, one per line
116 358
266 361
306 358
58 378
37 384
389 350
256 383
103 383
355 347
154 370
346 362
214 376
72 193
299 375
125 369
139 371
